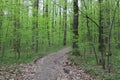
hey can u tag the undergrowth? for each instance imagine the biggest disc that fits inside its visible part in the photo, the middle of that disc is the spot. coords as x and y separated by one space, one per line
26 57
88 64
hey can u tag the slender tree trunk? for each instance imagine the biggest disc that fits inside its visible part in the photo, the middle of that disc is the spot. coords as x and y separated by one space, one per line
60 23
118 5
53 21
47 19
35 41
43 16
107 38
65 23
56 22
1 14
16 30
101 39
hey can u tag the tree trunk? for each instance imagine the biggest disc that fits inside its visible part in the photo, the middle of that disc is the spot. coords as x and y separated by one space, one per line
75 28
65 23
47 17
53 21
60 22
35 41
16 34
101 38
1 14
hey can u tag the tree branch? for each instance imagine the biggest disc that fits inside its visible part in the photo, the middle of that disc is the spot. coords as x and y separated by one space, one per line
90 19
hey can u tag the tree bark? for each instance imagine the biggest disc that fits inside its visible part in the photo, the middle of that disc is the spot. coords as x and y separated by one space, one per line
35 41
101 37
75 28
47 17
65 23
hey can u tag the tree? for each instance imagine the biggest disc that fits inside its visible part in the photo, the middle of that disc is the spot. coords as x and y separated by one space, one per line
35 25
47 19
16 32
101 33
65 23
1 20
75 28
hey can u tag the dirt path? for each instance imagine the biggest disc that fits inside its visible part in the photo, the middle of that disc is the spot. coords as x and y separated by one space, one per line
50 67
54 66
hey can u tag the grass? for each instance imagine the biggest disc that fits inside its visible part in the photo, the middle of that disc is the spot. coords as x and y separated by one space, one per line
89 65
10 58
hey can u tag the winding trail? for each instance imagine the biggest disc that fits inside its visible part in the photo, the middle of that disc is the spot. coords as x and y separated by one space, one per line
56 66
50 67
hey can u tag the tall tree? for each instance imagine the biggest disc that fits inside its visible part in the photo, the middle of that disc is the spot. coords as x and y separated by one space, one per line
75 27
65 23
53 20
16 32
60 21
35 26
101 33
1 17
47 23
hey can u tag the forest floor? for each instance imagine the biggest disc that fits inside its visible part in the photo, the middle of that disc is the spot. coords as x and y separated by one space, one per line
54 66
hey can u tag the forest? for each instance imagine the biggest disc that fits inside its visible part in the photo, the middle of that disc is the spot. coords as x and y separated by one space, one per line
32 29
